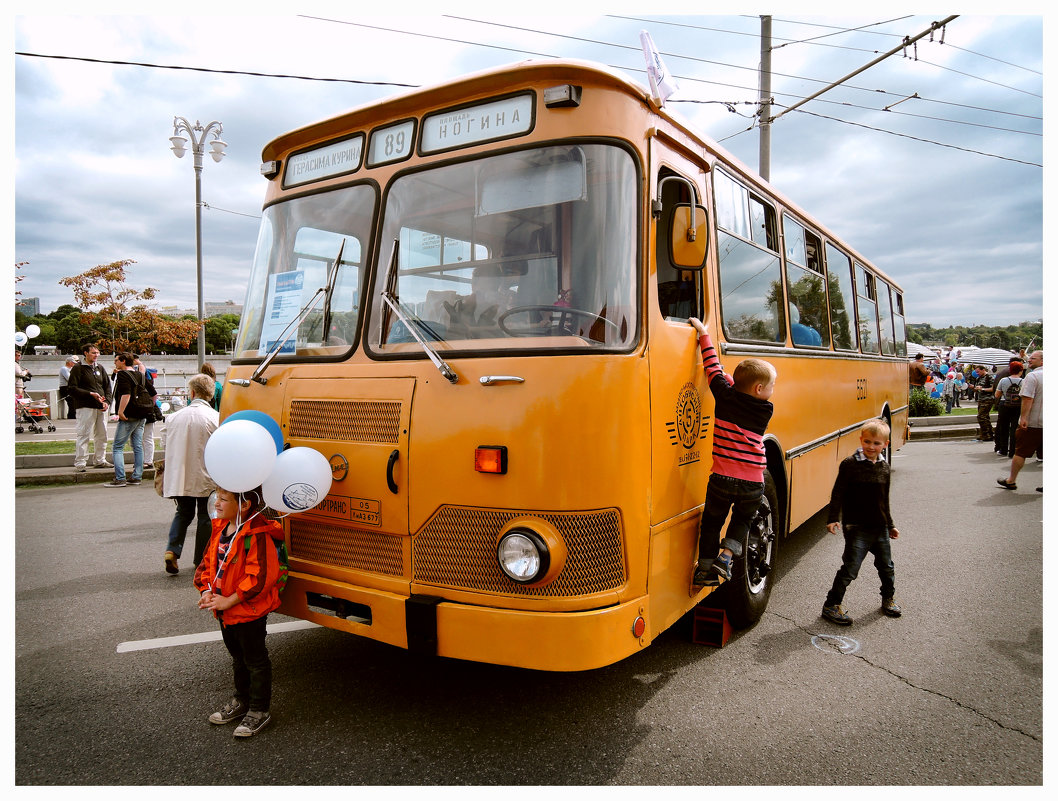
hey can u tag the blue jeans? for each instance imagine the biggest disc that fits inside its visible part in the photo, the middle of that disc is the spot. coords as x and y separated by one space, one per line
127 428
186 508
859 541
725 494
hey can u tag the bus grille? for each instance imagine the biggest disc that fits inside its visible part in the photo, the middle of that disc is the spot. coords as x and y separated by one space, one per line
457 548
353 548
347 420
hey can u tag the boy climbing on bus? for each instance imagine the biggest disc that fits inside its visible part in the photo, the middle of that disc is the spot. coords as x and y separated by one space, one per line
736 483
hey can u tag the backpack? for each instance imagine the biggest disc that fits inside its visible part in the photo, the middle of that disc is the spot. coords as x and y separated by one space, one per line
140 405
1012 394
284 561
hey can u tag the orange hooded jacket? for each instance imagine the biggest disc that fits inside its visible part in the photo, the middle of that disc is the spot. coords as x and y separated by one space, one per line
250 573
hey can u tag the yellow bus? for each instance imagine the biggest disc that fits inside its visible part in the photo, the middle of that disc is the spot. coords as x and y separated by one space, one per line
473 300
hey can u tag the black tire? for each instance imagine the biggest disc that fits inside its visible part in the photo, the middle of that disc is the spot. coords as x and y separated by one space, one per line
745 597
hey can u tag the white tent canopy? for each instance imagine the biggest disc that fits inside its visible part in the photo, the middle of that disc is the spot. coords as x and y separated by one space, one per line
913 350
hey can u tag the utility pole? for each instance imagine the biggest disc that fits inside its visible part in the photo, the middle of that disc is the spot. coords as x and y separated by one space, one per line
765 83
765 98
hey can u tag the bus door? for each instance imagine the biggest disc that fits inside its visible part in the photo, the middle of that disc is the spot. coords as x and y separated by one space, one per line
361 426
681 407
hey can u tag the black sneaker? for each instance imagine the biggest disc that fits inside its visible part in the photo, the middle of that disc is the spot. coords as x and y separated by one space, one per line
704 576
115 483
835 614
170 563
233 710
890 608
1007 485
133 481
252 723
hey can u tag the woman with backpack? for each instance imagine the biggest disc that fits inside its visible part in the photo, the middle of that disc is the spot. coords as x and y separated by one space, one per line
1008 396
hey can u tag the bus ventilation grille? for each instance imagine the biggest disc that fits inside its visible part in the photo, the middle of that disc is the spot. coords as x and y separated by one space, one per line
352 548
457 548
347 420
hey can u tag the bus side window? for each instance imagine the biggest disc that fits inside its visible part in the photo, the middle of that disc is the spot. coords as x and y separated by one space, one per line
677 289
805 288
751 287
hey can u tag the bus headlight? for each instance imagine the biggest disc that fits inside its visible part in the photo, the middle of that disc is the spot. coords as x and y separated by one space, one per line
530 551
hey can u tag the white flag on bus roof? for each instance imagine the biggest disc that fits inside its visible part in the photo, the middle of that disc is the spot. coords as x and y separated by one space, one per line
662 84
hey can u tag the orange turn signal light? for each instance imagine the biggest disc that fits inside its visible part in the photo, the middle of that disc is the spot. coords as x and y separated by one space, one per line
491 459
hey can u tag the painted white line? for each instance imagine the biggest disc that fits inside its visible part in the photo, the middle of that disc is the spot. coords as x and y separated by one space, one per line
209 636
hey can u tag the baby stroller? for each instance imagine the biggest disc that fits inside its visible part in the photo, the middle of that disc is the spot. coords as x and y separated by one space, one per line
33 413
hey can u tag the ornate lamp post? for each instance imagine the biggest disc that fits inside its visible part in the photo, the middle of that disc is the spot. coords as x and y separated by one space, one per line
198 134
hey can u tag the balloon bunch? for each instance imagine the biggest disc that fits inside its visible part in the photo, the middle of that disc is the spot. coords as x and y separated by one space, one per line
247 451
22 337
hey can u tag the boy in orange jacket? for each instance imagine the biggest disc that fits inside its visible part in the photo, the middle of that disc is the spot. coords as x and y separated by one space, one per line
236 579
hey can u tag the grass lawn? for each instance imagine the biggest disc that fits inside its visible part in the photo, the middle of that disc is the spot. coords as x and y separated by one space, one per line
57 446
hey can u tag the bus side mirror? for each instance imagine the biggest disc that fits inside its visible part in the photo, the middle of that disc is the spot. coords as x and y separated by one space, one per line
688 237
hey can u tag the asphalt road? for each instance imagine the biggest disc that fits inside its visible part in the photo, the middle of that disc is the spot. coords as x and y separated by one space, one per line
948 694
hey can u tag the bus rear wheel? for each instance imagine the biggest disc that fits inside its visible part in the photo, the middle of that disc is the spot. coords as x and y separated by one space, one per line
746 595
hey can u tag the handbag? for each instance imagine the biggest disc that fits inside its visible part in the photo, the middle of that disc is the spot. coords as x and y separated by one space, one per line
159 478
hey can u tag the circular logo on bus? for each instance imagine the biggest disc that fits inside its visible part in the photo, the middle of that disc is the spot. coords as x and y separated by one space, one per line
688 415
339 467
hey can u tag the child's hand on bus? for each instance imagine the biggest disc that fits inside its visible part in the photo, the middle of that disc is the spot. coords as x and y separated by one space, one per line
699 326
833 527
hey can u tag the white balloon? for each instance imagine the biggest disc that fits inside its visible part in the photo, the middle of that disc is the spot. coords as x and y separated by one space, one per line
166 406
240 456
32 331
21 339
300 479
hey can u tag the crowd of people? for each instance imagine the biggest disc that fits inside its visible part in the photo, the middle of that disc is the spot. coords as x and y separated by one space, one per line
1014 392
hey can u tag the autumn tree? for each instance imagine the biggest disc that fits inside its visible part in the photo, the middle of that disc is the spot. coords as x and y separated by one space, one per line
119 315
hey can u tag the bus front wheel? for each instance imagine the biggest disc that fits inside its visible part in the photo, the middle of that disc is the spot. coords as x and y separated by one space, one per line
745 596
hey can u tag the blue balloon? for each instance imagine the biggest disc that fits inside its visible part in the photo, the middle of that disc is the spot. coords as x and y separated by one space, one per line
262 419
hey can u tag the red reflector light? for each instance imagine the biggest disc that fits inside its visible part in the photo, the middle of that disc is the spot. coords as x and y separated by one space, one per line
491 459
638 627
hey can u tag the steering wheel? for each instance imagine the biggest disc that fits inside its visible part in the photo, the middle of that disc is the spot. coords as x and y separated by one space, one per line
557 320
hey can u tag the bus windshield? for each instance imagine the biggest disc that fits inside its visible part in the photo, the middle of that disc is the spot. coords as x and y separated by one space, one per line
534 249
295 273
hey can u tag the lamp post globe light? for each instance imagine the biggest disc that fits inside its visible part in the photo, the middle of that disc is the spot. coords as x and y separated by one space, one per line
197 134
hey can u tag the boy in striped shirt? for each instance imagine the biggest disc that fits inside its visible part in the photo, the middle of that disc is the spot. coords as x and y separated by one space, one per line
736 483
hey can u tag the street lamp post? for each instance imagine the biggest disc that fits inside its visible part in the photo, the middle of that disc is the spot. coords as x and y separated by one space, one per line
198 134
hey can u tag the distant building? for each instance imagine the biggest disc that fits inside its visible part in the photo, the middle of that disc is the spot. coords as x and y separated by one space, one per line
227 307
29 306
210 310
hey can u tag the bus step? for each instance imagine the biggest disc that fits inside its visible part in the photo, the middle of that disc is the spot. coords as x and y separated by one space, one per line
710 626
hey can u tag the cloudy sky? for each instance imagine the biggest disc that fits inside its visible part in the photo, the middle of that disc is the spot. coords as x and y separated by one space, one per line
943 191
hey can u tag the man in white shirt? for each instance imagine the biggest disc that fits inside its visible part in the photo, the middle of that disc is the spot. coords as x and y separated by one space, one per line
1030 423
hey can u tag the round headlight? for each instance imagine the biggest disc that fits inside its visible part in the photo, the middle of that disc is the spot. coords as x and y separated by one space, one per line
523 555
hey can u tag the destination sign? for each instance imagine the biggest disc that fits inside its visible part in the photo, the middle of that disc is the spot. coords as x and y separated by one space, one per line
469 125
325 162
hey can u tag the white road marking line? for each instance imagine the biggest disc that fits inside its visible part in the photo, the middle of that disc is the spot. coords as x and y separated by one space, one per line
209 636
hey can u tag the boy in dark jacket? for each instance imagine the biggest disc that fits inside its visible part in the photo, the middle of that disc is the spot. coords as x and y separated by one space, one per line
736 483
860 499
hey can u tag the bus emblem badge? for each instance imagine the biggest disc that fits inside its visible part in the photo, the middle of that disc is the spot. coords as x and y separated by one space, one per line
687 427
339 467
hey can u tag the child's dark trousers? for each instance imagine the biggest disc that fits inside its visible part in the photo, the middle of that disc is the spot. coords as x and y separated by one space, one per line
859 541
249 659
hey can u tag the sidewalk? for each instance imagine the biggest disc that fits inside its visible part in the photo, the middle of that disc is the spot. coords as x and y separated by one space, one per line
58 468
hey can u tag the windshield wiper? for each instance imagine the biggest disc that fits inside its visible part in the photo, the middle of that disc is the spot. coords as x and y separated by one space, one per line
332 279
410 320
301 315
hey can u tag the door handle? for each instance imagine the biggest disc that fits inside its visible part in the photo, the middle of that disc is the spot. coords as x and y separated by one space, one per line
389 471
